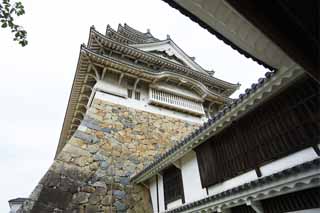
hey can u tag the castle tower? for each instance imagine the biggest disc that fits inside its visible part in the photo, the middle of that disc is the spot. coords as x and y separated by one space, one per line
132 98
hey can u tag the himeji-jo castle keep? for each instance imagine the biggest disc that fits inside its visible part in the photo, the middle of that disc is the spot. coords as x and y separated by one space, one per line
147 129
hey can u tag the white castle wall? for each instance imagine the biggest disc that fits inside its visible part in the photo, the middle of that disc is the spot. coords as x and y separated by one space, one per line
102 89
191 178
192 184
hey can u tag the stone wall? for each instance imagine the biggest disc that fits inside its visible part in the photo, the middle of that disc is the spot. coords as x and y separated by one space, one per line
91 173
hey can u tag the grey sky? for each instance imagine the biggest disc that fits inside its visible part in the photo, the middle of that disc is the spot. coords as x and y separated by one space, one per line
36 80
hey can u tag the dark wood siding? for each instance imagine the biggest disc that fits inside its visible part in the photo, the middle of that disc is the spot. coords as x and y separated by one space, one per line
242 209
172 184
285 124
306 199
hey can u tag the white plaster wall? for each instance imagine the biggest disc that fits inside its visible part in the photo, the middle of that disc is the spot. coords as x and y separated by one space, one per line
144 106
112 88
191 178
161 194
153 193
289 161
233 182
174 204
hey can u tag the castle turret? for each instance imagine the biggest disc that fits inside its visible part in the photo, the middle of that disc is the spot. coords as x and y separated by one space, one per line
133 97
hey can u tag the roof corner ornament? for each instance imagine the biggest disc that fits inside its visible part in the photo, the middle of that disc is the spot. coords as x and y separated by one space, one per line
148 30
211 72
93 27
168 36
82 48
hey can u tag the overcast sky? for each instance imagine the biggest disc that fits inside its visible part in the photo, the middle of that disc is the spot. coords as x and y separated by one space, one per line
36 80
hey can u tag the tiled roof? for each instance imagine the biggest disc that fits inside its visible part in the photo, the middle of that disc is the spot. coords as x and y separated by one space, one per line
18 200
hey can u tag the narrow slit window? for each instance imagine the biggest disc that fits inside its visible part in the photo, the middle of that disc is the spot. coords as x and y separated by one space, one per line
129 93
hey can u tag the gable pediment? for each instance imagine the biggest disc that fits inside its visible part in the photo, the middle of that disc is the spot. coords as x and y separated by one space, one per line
169 50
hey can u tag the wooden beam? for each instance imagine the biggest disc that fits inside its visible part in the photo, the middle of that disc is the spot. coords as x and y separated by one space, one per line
96 72
256 205
135 84
96 40
103 73
120 78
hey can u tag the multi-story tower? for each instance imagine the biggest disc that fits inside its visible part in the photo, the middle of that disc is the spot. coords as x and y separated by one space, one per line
132 98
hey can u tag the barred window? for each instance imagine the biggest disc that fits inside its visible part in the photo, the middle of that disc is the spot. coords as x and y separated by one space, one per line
133 92
129 93
285 124
172 183
137 95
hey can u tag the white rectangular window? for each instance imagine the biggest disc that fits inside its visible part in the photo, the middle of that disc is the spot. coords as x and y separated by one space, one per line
174 101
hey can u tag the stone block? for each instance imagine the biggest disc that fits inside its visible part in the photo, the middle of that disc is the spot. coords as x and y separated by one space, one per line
75 151
94 198
92 148
119 194
88 189
124 180
120 206
107 200
54 197
86 137
101 190
81 198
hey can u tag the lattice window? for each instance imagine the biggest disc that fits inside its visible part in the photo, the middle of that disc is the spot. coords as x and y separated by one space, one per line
296 201
283 125
172 183
177 102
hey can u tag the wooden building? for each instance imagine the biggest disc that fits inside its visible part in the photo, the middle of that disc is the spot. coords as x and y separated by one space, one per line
133 97
260 153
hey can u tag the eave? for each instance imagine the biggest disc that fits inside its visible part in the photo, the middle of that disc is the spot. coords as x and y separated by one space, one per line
167 64
126 26
87 75
150 75
118 36
139 37
135 33
220 19
258 93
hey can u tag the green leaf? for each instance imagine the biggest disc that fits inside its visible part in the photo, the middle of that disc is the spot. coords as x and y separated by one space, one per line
4 25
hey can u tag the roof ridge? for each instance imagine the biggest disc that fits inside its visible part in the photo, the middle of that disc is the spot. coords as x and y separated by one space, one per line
137 35
194 72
